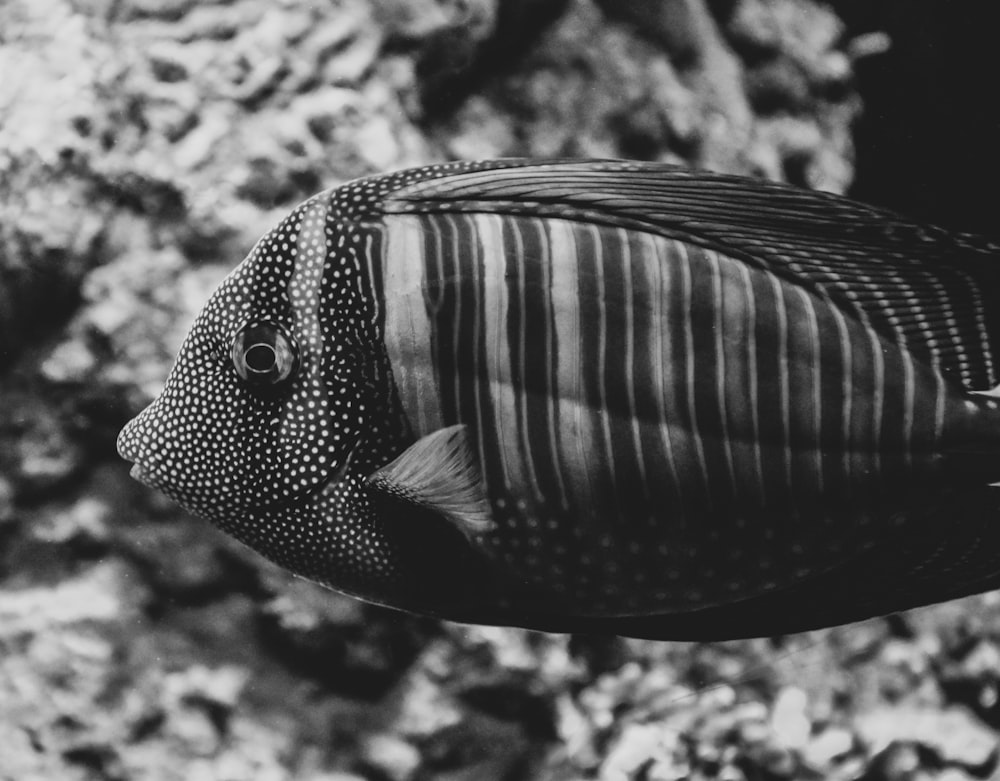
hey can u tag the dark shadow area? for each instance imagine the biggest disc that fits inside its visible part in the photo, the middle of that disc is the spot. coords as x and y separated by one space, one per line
927 144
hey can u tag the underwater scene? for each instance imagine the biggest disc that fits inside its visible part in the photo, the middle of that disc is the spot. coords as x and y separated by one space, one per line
460 390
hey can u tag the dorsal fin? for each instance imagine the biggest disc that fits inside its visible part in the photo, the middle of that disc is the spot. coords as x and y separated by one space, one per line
915 285
439 472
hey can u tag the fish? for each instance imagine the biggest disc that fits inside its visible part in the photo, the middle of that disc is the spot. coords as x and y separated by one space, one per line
598 396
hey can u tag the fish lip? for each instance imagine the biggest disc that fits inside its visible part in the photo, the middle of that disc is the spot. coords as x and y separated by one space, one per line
139 473
143 474
130 448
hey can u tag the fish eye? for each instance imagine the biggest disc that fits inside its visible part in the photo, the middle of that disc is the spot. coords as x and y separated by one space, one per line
264 354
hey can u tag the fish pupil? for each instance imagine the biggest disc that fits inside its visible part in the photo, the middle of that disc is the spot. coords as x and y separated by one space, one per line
264 354
260 358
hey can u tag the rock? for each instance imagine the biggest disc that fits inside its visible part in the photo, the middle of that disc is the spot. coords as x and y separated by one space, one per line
952 733
143 304
42 456
333 777
7 513
765 750
481 134
354 63
181 559
47 245
578 736
217 689
69 363
789 722
421 707
95 596
391 757
83 525
198 146
648 749
982 660
60 659
801 30
478 700
896 762
969 667
413 19
722 730
198 703
902 669
510 702
348 647
480 748
43 95
377 144
476 41
829 746
170 61
594 88
22 758
326 112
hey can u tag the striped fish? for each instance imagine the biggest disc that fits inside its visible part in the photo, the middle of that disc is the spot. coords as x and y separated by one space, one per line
598 396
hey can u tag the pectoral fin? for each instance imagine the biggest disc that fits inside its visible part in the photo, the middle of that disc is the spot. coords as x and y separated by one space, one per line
439 472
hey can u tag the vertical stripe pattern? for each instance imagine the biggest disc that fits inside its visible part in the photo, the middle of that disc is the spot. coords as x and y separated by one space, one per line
408 333
626 391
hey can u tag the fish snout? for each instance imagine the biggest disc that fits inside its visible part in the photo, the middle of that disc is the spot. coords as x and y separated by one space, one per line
128 441
131 447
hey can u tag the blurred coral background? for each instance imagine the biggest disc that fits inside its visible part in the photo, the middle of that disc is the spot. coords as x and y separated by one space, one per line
146 144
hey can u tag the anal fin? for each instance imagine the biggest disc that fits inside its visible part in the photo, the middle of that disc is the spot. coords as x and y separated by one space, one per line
439 472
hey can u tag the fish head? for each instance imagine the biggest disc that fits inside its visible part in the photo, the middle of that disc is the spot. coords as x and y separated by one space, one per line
262 406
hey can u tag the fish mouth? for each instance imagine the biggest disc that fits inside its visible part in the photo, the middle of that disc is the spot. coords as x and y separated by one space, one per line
141 474
127 453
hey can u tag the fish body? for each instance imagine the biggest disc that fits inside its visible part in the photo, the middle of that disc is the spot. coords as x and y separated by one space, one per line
597 396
